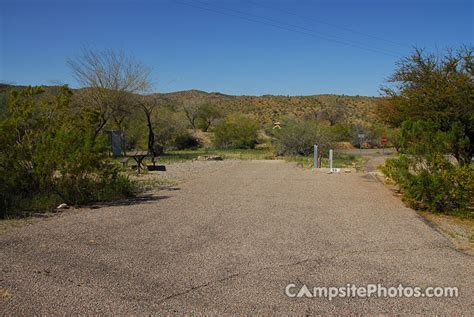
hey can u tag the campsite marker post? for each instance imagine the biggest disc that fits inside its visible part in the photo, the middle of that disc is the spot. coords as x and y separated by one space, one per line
315 164
383 141
330 160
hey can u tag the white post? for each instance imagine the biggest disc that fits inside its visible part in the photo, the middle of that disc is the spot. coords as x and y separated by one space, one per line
315 163
330 160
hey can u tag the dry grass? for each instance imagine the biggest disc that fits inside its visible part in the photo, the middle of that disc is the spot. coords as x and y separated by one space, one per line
459 230
4 294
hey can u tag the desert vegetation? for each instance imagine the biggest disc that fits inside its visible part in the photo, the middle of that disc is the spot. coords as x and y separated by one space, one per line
51 153
57 140
430 102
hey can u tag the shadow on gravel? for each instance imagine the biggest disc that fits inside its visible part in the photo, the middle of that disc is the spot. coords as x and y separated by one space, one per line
369 178
142 199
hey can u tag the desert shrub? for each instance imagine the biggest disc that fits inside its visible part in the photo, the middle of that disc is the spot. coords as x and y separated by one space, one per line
106 188
373 134
50 153
442 187
3 104
370 135
207 115
394 138
186 141
298 137
171 130
236 131
135 135
424 173
341 132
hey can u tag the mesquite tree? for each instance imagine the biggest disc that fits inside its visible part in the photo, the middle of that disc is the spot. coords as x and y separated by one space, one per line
439 89
149 104
108 78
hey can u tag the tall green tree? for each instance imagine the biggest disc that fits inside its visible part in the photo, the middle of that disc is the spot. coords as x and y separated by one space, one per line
437 88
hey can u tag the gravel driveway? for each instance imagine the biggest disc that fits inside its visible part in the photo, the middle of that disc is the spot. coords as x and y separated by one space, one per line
229 242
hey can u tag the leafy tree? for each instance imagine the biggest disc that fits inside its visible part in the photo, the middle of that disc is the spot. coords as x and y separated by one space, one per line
191 106
298 137
108 79
236 131
341 131
370 132
171 130
149 105
393 136
441 89
207 115
333 112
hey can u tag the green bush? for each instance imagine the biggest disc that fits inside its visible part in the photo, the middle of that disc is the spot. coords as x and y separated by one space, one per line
426 177
236 131
51 154
185 141
370 135
92 189
298 137
341 132
442 188
171 131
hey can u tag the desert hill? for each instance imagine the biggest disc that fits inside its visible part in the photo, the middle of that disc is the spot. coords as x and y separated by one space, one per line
268 108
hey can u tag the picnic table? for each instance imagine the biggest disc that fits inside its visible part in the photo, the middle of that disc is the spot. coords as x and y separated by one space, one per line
138 156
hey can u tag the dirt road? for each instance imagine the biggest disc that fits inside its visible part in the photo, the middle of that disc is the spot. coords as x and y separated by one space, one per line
229 242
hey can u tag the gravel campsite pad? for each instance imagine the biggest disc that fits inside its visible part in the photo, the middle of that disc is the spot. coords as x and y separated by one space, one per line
228 241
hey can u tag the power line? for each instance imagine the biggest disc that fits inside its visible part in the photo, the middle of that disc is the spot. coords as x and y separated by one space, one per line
299 27
329 24
289 29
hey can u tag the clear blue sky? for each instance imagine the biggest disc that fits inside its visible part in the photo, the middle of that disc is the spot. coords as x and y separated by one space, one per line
192 48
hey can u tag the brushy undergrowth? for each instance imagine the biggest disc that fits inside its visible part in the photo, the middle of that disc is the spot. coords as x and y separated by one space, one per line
426 176
50 154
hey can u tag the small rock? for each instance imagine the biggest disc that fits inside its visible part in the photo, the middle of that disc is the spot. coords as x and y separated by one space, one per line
209 158
63 206
347 171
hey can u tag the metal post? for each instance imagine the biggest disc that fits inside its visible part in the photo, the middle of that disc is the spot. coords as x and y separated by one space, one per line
361 137
315 159
330 160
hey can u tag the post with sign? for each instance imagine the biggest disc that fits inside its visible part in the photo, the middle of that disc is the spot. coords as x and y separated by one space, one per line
361 138
383 142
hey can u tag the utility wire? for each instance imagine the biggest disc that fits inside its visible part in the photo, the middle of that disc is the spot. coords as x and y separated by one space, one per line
288 29
327 23
298 27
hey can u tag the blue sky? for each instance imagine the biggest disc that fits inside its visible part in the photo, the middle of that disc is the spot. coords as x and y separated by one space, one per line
194 48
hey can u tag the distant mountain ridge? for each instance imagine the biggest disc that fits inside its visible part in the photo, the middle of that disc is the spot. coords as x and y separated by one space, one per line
357 109
268 108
